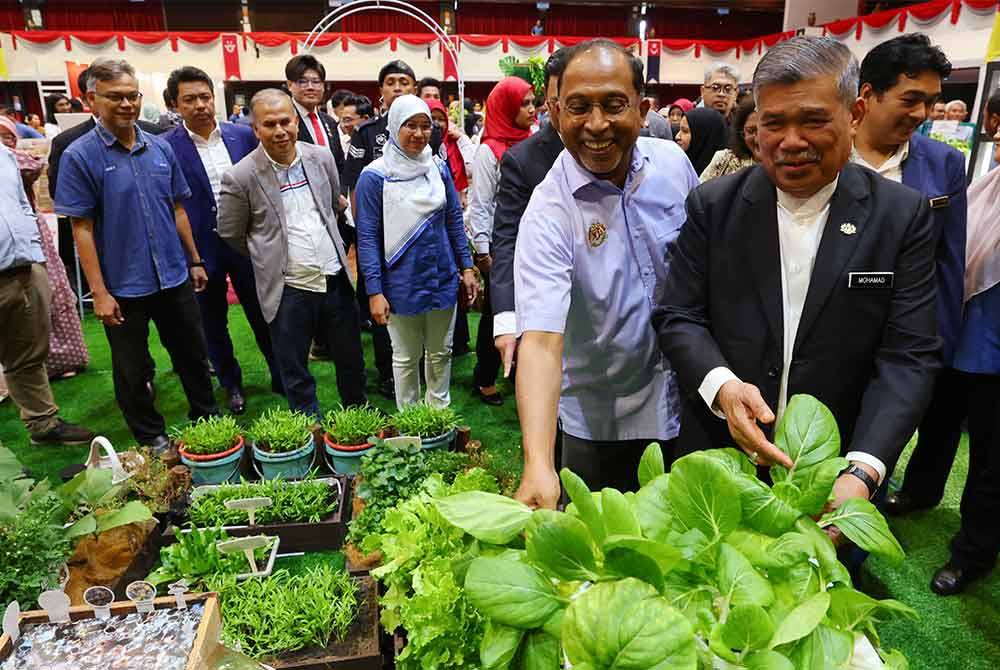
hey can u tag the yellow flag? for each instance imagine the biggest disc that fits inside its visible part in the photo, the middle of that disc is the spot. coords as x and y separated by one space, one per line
993 50
3 64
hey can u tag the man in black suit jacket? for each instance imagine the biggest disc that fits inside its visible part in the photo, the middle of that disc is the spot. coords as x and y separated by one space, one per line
522 169
305 77
823 286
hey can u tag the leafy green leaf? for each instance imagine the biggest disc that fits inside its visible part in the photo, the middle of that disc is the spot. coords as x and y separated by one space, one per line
762 509
802 620
833 570
850 609
485 516
619 519
739 581
85 526
703 496
539 651
858 519
553 625
651 464
132 512
748 628
626 624
808 433
582 499
10 467
816 485
665 555
499 645
561 547
624 561
894 660
511 593
768 660
652 508
825 647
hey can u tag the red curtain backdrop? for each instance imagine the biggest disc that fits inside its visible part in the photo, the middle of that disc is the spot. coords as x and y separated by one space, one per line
586 21
380 21
496 19
103 15
707 24
11 15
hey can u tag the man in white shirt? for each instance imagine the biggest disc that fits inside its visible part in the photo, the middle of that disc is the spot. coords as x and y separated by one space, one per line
822 282
279 205
206 149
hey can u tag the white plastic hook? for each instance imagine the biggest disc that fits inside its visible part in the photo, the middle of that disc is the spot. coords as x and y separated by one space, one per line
108 461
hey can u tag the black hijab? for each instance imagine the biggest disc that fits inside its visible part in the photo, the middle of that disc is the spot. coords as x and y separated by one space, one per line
708 135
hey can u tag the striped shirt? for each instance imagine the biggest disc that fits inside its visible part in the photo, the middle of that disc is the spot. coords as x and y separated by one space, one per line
312 256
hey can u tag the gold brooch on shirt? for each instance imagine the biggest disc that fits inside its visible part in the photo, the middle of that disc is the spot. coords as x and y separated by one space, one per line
597 234
848 228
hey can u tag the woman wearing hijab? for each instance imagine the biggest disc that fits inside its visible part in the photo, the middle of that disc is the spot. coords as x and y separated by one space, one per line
743 150
702 133
510 111
411 244
975 547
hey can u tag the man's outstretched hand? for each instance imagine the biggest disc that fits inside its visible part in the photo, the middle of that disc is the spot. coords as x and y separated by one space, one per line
744 407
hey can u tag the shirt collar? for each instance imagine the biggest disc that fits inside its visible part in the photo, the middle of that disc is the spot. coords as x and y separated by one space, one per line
109 138
580 177
894 161
213 136
281 166
302 110
808 207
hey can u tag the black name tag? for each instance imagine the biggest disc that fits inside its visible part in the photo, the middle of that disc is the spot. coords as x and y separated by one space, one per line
870 279
940 202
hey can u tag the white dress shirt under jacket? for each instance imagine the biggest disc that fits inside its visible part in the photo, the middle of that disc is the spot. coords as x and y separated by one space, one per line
892 168
214 156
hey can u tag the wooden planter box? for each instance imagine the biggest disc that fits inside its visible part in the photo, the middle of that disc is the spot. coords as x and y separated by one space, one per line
328 534
360 649
206 638
141 565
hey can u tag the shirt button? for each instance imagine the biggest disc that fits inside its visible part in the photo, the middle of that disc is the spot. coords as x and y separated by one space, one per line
796 268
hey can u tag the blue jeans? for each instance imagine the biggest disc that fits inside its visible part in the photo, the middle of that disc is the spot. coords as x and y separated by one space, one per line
301 316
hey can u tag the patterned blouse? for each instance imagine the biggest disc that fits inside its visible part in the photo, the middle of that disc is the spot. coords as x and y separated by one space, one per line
725 162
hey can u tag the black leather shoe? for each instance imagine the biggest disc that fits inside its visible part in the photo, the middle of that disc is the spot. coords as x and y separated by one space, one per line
950 581
237 403
277 387
387 388
160 444
899 503
494 399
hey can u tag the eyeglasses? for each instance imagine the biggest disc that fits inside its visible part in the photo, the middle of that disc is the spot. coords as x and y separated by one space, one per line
116 98
306 83
728 89
611 109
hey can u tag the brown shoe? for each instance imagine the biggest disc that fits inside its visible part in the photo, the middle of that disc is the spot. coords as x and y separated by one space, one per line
64 432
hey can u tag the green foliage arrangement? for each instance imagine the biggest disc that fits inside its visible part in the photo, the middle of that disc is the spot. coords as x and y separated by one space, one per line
532 72
307 501
282 613
351 426
196 558
32 547
212 435
392 473
280 430
94 504
423 421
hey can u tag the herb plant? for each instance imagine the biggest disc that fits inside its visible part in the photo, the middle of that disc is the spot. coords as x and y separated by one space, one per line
196 558
280 430
352 426
158 487
308 501
705 567
94 504
32 547
211 435
422 420
282 613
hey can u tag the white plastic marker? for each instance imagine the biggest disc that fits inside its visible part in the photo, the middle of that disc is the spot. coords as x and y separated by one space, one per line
100 598
248 505
245 544
177 590
56 605
11 621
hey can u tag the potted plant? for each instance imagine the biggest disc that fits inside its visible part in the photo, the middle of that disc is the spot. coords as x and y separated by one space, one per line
283 444
347 435
211 447
435 426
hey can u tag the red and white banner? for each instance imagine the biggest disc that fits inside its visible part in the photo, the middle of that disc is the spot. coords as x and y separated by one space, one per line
231 57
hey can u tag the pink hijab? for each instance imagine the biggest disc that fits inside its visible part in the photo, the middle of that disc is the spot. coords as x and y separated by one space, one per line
982 248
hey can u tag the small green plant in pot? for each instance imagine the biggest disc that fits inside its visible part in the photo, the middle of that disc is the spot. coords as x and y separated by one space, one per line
211 447
282 443
435 426
347 435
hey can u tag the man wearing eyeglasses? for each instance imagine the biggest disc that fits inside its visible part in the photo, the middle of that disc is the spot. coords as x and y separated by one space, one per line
306 81
123 190
591 248
720 88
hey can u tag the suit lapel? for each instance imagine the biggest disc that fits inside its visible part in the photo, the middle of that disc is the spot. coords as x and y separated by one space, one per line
319 186
305 129
760 241
849 206
269 183
190 156
913 167
231 143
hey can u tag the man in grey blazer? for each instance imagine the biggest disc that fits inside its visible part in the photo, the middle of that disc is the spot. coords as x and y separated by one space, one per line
279 205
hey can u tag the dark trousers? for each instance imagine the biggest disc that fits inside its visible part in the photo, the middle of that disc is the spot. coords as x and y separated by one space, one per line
488 360
609 464
939 435
380 334
215 317
460 339
303 314
178 322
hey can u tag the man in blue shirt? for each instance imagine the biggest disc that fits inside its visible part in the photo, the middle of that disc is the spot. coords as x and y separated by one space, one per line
591 248
123 190
24 131
24 313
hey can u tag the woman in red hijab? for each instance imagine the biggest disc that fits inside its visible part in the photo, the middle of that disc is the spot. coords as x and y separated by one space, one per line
509 114
459 148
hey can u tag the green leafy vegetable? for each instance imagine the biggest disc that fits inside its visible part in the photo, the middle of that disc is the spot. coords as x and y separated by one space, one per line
511 593
211 435
280 430
196 558
354 425
422 420
485 516
306 501
861 522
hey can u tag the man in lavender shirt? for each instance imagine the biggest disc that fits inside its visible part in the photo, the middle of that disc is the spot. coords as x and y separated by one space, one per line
590 251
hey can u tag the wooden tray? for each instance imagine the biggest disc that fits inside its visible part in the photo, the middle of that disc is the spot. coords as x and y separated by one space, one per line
359 651
206 638
329 533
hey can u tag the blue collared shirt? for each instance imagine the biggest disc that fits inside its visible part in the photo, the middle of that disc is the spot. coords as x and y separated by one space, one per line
20 242
130 195
589 256
26 132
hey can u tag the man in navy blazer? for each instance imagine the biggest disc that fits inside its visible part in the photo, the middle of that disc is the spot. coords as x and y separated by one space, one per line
206 149
900 82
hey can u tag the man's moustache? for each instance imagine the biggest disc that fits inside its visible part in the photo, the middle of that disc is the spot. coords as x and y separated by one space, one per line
811 156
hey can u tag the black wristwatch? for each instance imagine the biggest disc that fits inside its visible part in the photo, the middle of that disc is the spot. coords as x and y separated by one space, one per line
197 264
860 473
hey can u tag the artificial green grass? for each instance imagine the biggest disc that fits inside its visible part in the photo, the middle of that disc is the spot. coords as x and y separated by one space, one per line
960 633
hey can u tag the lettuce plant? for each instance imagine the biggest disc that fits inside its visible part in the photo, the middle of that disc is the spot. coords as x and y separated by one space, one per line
705 567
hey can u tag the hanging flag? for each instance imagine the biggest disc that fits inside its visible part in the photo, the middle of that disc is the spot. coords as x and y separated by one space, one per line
654 47
3 64
450 67
73 71
993 50
231 57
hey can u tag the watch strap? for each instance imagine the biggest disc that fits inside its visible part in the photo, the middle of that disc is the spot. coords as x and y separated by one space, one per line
860 473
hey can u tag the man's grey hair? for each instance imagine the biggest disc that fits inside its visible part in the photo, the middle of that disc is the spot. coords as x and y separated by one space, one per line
269 97
957 103
802 58
107 69
725 69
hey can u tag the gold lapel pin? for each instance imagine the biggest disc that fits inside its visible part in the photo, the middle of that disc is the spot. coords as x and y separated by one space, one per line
848 228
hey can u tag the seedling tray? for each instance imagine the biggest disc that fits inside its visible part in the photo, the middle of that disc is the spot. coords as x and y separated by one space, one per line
358 651
328 534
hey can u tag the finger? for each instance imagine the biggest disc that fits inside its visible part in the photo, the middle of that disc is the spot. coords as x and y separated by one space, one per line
508 360
757 405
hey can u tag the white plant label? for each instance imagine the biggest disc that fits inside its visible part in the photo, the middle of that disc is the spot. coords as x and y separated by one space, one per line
248 505
245 544
10 621
56 605
177 590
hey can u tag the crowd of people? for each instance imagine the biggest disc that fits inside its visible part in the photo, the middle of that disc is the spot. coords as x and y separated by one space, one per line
674 275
